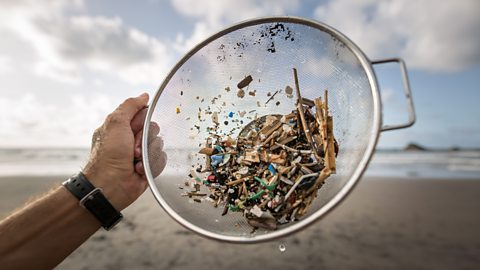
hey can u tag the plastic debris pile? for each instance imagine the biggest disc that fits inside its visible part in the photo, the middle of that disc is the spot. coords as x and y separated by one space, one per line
273 170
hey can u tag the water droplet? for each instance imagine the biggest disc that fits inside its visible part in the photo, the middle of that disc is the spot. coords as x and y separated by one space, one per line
282 247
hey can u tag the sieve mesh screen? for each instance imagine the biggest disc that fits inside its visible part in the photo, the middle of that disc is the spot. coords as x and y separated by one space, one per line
267 51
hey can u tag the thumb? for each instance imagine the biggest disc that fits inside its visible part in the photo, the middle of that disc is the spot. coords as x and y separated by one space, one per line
131 106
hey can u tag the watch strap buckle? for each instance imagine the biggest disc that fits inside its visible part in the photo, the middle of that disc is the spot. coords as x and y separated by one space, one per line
89 196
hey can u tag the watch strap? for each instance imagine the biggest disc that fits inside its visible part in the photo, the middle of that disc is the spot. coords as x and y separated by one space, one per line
93 200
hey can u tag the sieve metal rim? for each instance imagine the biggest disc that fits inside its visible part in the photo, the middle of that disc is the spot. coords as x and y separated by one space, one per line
346 189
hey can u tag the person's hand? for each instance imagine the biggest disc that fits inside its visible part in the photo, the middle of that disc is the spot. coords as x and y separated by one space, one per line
115 163
156 155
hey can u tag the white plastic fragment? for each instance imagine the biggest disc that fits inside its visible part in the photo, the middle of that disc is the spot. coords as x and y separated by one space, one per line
256 211
243 170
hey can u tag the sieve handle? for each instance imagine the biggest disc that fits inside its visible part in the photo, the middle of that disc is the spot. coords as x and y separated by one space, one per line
408 93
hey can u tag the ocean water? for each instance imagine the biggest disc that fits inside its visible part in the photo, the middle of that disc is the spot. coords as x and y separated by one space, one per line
406 164
426 164
42 161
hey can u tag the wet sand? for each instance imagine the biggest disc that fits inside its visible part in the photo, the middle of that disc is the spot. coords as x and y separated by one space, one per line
383 224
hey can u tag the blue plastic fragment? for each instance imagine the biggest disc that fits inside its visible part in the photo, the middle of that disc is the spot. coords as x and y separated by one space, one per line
219 148
230 114
271 168
216 160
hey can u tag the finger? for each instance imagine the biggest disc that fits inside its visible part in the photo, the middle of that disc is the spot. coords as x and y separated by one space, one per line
157 157
157 164
138 144
138 120
131 106
160 164
156 144
153 129
139 168
153 132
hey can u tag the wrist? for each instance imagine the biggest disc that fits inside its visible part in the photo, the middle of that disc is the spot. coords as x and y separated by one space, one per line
92 198
103 180
111 180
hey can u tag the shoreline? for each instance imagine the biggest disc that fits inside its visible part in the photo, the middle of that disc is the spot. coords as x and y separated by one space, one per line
390 223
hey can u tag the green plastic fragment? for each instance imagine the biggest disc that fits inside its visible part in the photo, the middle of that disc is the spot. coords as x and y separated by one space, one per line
233 208
260 180
257 195
269 187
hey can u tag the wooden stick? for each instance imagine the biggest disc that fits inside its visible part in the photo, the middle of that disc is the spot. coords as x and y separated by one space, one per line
330 154
328 139
302 117
318 111
318 140
236 182
292 149
283 142
322 132
304 125
267 131
271 137
326 104
307 102
320 179
192 194
244 187
297 87
324 125
208 166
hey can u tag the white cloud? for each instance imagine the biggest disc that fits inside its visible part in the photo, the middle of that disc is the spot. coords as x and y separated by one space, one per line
48 43
430 35
68 46
212 16
5 64
59 41
315 63
221 12
27 121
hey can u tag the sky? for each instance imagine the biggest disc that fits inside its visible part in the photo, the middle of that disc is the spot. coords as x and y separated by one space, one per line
65 64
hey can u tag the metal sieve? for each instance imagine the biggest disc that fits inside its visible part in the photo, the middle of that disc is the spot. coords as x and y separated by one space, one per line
266 49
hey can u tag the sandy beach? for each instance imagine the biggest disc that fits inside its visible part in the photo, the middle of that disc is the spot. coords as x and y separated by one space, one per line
383 224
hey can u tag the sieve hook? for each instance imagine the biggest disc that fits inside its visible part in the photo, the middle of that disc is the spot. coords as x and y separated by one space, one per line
408 94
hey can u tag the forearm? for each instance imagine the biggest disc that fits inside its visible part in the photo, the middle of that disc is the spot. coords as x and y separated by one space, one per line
43 233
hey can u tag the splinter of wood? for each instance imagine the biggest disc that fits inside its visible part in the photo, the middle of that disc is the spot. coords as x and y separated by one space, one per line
302 117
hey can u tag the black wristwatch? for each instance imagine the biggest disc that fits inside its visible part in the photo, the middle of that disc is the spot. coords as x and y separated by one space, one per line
93 200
